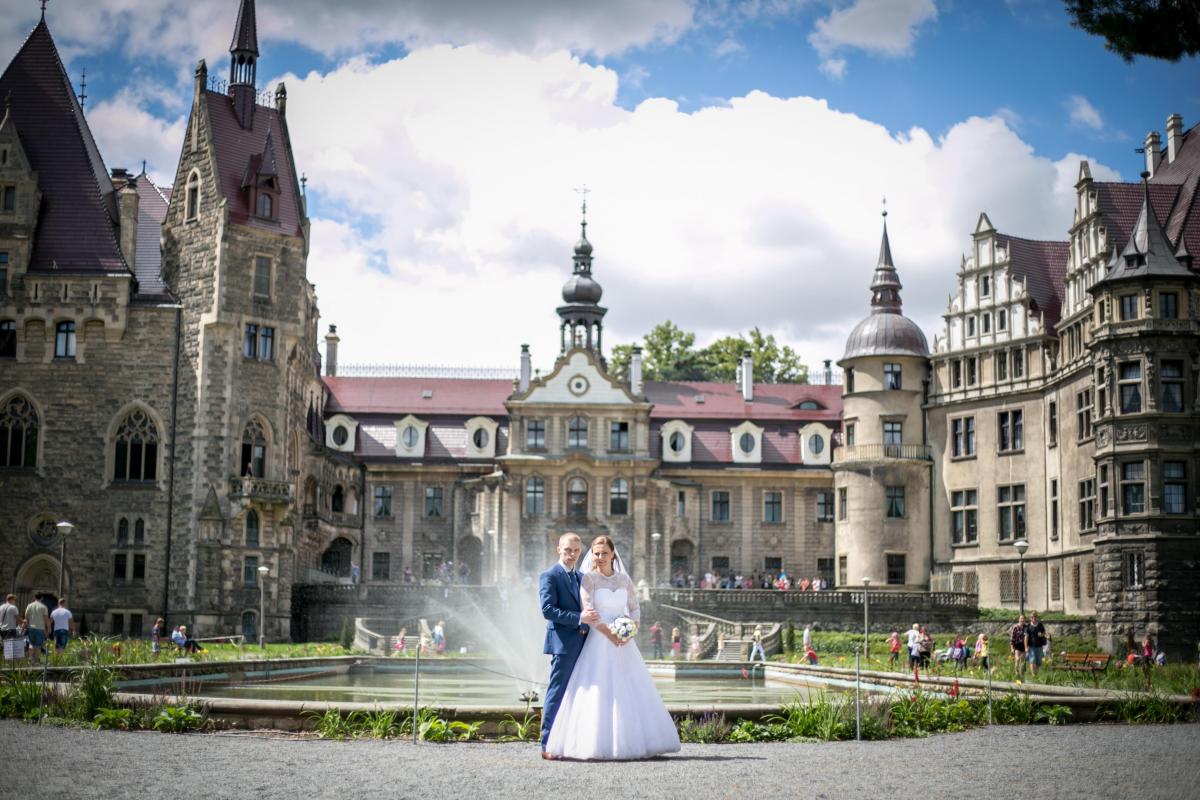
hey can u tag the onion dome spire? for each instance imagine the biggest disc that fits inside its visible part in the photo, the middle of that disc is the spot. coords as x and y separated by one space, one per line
581 317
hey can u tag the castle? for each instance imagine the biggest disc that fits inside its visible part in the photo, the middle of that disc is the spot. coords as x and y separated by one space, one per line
161 388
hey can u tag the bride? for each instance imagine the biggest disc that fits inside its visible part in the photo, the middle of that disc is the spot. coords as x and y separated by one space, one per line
611 709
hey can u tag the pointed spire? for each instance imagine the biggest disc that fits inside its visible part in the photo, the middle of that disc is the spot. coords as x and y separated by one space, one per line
1148 251
885 286
583 248
245 30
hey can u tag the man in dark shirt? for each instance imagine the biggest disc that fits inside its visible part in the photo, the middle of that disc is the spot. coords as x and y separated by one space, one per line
1035 640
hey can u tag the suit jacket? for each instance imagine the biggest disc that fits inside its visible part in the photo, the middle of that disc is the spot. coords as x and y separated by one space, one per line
559 595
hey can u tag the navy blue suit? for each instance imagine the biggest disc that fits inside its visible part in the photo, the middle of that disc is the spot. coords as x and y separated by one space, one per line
558 592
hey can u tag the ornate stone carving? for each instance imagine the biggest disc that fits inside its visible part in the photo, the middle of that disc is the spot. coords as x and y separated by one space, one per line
1131 433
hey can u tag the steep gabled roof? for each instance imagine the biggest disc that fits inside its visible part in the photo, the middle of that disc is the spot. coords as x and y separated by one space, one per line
695 400
1043 267
152 210
77 228
1120 204
447 396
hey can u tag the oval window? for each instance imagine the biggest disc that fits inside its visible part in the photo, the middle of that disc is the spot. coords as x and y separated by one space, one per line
480 438
747 443
340 435
409 437
677 442
816 444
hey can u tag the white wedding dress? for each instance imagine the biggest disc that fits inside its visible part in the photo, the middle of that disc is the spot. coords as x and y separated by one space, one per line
611 709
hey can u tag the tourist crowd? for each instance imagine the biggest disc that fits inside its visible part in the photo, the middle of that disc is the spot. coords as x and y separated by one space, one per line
780 581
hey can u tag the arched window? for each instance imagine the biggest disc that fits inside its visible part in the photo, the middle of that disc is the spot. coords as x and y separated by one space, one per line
254 450
193 196
338 503
136 446
122 532
18 434
618 496
251 528
535 496
577 432
64 340
264 205
139 531
8 339
577 498
250 626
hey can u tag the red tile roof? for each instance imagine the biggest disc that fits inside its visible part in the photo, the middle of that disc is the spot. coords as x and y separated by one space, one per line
1120 204
1043 266
712 444
1184 218
772 401
236 147
404 396
77 227
445 440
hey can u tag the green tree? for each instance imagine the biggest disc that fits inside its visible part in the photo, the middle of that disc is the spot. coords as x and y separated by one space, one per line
1166 29
772 363
670 355
618 361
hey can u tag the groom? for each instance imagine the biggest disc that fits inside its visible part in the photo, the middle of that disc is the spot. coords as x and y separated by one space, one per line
566 625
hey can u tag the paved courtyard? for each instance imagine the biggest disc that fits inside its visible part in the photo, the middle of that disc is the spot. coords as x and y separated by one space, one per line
1072 762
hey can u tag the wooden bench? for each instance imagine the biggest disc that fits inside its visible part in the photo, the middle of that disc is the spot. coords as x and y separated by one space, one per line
1083 662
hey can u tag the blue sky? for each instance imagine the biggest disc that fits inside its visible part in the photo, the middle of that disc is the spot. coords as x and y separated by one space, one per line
737 148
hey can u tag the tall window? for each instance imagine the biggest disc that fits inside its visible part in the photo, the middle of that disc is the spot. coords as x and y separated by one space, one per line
252 528
249 626
123 532
139 531
1018 363
956 373
1134 568
577 432
3 272
972 371
618 496
618 436
893 498
1129 306
896 569
1087 504
258 342
964 515
824 506
772 506
962 437
250 570
1171 374
1011 431
383 501
985 287
1053 423
433 502
577 498
841 503
1133 487
848 379
250 341
262 276
136 446
254 450
843 571
1002 320
64 340
263 205
1001 366
1174 487
535 496
193 196
1010 501
535 434
8 339
850 434
1083 414
1130 387
893 435
1168 305
381 566
720 507
681 504
1053 509
337 502
18 434
970 326
986 322
1103 481
891 376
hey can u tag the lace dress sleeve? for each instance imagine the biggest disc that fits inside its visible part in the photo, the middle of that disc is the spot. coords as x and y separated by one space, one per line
635 610
587 587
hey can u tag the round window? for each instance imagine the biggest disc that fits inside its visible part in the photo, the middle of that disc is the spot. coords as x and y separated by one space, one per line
816 444
340 435
480 438
409 437
677 442
747 443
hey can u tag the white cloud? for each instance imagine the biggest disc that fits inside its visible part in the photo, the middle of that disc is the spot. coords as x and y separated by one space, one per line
443 186
834 67
127 134
728 46
883 27
635 76
1084 113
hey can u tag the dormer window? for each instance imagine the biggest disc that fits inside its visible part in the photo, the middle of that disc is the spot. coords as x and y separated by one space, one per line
264 207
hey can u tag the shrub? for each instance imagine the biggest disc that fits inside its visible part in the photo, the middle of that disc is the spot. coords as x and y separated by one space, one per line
522 730
708 729
114 718
177 719
20 695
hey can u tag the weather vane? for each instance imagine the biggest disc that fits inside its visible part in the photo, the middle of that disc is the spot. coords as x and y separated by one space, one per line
82 85
584 192
883 203
44 9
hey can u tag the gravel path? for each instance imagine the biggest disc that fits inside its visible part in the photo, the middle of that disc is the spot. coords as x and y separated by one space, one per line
1071 762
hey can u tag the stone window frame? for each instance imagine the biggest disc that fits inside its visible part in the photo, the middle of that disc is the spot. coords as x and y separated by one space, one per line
489 428
268 447
1130 307
40 429
110 448
767 503
70 348
1129 484
433 502
618 491
890 567
258 529
191 204
567 481
1083 415
344 421
577 424
1175 481
668 430
1052 423
1133 570
1054 509
712 505
535 434
383 495
1168 301
126 616
825 505
615 434
129 559
739 455
894 499
810 434
252 636
421 428
376 562
534 495
843 502
1087 504
250 564
1176 380
1131 387
893 376
968 507
1010 426
963 439
255 295
1013 508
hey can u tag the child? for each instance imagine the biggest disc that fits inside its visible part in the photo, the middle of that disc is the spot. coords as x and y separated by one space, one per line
894 649
981 651
810 655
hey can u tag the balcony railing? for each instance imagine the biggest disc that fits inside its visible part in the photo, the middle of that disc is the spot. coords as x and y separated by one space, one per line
261 489
882 452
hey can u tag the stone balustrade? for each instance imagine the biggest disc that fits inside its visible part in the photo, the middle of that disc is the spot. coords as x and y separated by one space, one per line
260 489
882 453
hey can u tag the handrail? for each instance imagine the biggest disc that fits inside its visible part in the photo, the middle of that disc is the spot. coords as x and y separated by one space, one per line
883 452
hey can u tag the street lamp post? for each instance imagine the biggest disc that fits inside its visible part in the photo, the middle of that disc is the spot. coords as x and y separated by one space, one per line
262 606
1022 545
866 618
654 540
64 530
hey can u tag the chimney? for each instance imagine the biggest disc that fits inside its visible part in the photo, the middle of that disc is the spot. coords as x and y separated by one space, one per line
1174 136
127 208
828 371
635 372
281 100
1153 142
747 376
331 343
526 370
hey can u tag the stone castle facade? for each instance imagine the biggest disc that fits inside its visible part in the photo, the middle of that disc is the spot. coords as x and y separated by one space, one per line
161 388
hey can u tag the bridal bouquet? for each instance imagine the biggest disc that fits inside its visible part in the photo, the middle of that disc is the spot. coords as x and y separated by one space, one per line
623 628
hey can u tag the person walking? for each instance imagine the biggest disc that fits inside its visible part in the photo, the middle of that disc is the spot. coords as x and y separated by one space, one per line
10 627
63 624
1016 641
156 634
914 646
37 626
656 640
981 651
894 649
807 640
439 637
757 647
676 643
1035 640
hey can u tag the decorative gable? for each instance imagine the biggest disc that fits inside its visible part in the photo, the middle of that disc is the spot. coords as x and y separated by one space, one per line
746 443
577 379
340 432
816 445
410 437
481 437
676 442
